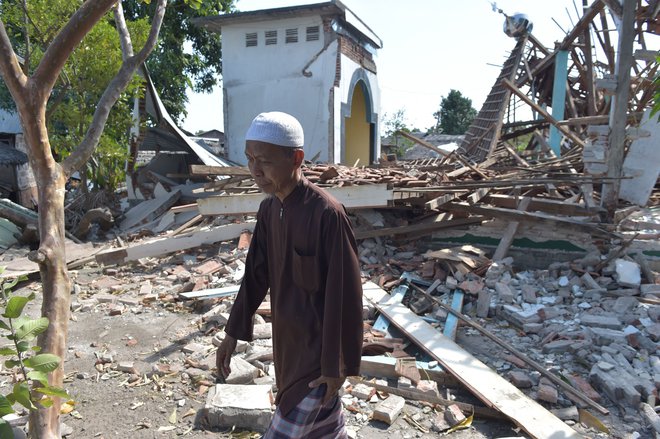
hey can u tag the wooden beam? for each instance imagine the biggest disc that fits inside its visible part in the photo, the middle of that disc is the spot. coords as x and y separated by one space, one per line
538 218
619 109
547 116
163 246
203 170
510 232
543 205
417 228
493 390
211 293
352 197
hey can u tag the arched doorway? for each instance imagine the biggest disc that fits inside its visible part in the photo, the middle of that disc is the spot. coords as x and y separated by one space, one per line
359 131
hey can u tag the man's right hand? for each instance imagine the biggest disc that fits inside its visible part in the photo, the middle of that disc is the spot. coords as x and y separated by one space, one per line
223 355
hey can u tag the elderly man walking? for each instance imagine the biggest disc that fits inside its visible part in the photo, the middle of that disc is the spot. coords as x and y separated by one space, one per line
304 251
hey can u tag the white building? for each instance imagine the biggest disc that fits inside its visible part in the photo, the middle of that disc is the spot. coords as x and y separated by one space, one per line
315 62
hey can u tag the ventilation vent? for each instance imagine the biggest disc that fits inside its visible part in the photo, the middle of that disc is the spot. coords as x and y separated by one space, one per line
271 37
312 33
251 39
291 36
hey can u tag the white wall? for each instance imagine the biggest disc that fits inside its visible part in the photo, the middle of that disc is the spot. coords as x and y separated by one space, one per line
270 78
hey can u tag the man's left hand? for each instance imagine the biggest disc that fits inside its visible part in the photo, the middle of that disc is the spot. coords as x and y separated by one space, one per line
332 386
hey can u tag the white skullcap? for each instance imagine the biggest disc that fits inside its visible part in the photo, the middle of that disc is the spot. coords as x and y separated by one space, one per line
277 128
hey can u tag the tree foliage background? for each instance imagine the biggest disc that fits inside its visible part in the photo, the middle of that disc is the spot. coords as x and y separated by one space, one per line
455 114
186 56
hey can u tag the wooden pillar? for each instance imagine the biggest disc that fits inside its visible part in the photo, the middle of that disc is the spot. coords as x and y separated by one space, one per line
619 110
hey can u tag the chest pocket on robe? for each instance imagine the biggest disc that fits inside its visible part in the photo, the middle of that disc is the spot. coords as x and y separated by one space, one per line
306 271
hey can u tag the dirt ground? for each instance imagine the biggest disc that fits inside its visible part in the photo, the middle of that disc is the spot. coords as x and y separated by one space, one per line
106 406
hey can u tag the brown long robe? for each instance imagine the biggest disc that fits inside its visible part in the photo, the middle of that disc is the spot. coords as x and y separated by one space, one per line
303 250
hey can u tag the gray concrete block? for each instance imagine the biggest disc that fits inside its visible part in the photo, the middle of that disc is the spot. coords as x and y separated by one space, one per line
600 321
604 336
240 406
389 409
242 372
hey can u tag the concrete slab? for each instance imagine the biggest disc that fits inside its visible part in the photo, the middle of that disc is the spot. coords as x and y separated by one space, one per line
242 406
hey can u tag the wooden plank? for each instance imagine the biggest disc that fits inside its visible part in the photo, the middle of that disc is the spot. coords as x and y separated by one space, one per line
211 293
417 228
149 210
451 325
203 170
488 386
510 233
163 246
444 199
540 218
352 197
542 205
618 110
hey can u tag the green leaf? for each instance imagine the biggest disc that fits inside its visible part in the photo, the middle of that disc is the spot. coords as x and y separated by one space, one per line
7 350
23 346
46 402
4 326
36 348
52 391
32 328
22 394
6 286
9 364
36 375
15 307
5 407
43 362
6 430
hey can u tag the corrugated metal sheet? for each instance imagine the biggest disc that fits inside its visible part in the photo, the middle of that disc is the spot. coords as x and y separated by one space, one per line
10 123
11 156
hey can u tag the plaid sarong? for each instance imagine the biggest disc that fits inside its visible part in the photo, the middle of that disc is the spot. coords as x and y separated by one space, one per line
309 419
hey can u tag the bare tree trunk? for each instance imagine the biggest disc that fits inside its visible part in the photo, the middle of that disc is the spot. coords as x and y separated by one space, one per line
51 257
31 95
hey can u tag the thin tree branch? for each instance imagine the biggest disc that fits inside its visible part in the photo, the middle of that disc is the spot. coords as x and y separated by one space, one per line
26 61
114 90
124 35
58 52
10 68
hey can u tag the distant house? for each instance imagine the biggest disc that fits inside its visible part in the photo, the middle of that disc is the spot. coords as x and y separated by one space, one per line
161 153
315 62
213 139
413 151
16 179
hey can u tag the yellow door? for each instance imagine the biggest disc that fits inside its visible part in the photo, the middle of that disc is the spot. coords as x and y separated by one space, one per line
358 130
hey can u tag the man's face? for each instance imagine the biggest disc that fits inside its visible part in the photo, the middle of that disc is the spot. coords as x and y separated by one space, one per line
272 167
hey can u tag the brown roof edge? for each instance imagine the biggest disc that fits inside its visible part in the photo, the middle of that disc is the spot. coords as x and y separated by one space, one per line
215 23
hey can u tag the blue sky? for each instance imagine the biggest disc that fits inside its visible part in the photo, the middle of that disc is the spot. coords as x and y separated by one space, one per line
429 48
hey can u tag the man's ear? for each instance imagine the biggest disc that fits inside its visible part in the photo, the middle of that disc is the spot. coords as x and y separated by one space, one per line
298 157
